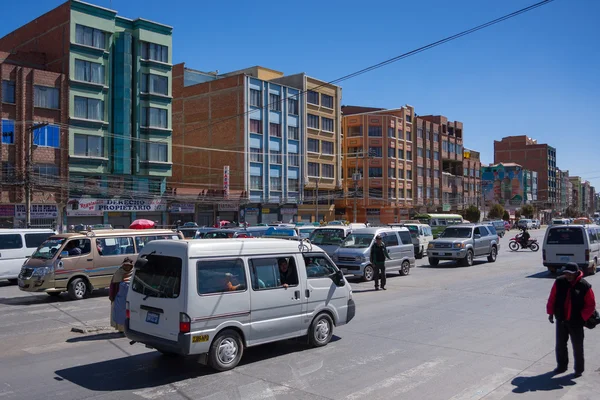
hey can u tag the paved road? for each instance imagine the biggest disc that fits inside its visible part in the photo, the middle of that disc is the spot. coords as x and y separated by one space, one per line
440 333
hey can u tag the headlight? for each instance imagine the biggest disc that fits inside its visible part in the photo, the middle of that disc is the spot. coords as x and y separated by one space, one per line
459 245
42 271
430 246
361 258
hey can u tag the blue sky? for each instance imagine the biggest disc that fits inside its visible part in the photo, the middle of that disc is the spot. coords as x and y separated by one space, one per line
536 74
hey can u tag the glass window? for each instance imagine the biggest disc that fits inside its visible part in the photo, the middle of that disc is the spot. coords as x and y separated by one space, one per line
8 131
293 106
419 152
375 131
293 132
255 98
256 182
154 151
45 173
90 37
312 97
47 136
256 154
275 157
160 277
8 92
428 154
354 131
274 102
327 124
78 247
255 126
326 147
89 145
220 276
87 108
401 154
154 117
312 145
313 169
273 273
327 171
391 132
565 236
46 97
400 174
436 137
34 240
375 172
326 101
420 133
409 155
408 136
390 239
409 174
114 246
391 152
318 267
11 241
313 121
405 237
275 130
375 152
155 52
293 184
294 159
86 71
391 172
155 84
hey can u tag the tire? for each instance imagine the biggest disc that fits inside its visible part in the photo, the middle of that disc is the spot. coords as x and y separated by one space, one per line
54 294
13 281
468 260
405 268
534 247
369 273
493 254
226 350
434 262
514 246
78 289
419 255
592 269
321 331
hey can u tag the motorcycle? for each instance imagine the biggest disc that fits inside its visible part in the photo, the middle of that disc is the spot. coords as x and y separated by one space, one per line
516 243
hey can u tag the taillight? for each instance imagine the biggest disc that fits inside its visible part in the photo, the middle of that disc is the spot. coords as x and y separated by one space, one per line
127 312
544 254
587 254
185 323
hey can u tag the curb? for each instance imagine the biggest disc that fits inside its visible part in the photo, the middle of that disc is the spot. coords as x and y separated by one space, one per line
91 329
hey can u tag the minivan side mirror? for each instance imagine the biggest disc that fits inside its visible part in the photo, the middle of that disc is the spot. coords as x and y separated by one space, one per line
63 254
140 263
338 278
477 236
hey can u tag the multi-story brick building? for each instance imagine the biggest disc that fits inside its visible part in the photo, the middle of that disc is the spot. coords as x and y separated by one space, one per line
378 147
243 122
577 201
535 157
118 103
323 161
29 96
471 178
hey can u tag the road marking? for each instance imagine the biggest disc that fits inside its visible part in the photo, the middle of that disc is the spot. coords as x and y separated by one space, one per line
420 373
486 385
261 390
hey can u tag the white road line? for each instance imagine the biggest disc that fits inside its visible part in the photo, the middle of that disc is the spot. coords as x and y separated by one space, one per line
403 378
486 385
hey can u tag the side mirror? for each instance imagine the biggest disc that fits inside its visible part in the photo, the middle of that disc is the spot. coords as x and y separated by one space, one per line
140 263
338 278
63 254
477 236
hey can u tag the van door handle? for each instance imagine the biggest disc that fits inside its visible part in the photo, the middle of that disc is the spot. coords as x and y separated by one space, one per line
297 295
90 259
307 293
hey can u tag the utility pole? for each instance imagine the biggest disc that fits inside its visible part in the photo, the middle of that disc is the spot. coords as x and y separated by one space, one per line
28 157
317 201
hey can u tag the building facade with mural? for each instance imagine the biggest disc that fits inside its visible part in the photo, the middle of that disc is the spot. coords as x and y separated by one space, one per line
506 184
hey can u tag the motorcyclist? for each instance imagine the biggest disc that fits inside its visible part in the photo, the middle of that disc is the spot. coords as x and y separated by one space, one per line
524 237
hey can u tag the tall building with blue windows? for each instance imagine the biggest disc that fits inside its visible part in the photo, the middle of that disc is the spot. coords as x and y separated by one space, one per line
118 99
240 146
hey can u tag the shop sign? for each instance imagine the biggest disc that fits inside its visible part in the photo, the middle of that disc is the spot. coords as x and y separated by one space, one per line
373 211
182 208
252 211
266 210
95 207
7 210
228 206
446 207
289 211
38 211
226 181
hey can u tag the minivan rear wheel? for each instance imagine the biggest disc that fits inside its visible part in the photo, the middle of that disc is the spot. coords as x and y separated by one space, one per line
321 330
78 289
226 350
405 268
368 274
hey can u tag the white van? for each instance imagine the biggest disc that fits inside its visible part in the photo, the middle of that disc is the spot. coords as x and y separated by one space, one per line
216 297
16 246
421 235
572 243
561 221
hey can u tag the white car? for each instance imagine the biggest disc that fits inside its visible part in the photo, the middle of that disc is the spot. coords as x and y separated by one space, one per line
536 224
525 223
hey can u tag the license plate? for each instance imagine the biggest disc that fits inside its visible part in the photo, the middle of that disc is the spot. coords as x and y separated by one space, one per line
447 254
152 317
21 283
565 259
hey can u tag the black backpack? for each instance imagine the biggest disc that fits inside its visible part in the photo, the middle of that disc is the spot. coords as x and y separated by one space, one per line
593 321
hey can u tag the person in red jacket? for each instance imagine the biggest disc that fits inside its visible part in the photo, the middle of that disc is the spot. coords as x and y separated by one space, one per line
572 303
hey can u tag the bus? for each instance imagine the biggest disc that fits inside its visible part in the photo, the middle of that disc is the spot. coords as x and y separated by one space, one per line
438 222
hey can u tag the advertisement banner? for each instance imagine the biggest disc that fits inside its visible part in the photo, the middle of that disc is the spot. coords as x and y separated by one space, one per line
38 211
182 208
7 210
226 181
228 206
96 207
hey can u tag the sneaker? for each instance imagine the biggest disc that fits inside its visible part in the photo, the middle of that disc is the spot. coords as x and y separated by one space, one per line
559 370
376 288
577 374
382 288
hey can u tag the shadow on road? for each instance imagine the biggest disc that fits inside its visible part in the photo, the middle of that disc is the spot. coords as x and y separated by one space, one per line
6 284
151 370
99 336
452 264
45 299
543 275
543 382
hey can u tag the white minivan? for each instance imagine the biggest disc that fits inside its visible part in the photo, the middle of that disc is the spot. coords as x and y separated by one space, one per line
216 297
16 246
572 243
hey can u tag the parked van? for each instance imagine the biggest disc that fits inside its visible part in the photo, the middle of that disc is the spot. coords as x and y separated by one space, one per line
353 256
421 235
572 243
16 245
215 298
561 221
330 237
79 263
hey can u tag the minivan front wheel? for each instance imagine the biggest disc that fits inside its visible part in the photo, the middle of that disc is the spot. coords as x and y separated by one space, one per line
78 289
321 331
369 273
226 350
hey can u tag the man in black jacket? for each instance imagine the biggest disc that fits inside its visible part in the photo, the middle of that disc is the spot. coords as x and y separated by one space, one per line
572 303
378 255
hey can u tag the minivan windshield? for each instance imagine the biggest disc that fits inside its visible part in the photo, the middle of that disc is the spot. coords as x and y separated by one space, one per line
358 240
414 230
327 237
48 249
461 233
565 236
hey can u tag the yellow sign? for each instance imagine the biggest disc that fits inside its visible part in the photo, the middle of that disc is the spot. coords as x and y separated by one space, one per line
266 211
467 154
200 338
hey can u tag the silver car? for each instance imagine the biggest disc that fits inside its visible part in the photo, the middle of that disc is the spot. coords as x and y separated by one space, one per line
353 256
463 243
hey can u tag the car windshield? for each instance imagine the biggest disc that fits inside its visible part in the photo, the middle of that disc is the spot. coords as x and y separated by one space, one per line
327 237
461 233
358 240
48 249
414 230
